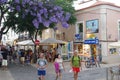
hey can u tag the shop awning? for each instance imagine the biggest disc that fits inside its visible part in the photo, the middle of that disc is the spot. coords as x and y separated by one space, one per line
48 41
114 45
91 41
25 42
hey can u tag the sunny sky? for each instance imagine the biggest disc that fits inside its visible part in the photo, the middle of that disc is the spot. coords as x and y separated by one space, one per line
77 6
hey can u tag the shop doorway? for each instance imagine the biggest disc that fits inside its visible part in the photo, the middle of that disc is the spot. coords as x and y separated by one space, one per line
80 48
90 55
90 50
94 50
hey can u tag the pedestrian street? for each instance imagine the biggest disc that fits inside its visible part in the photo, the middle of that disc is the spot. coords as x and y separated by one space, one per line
29 72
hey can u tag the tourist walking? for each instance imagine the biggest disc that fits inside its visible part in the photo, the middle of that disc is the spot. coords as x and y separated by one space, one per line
4 53
75 64
59 66
41 66
1 58
22 58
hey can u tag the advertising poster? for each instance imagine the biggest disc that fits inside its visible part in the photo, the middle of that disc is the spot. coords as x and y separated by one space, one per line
92 26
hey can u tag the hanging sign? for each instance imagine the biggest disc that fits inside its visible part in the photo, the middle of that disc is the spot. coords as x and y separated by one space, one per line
37 42
91 41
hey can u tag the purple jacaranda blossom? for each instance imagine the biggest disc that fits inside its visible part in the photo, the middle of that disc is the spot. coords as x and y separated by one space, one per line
18 8
34 8
39 17
35 23
65 24
67 16
26 1
46 23
30 3
59 8
62 19
3 1
44 10
17 1
46 15
26 11
41 11
23 16
32 13
55 8
59 14
53 19
23 5
11 8
50 10
40 4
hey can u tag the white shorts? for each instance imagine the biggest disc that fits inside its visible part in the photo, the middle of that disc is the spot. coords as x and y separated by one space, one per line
22 59
4 62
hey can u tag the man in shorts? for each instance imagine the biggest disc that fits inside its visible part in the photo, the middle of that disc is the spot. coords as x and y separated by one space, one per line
75 64
41 66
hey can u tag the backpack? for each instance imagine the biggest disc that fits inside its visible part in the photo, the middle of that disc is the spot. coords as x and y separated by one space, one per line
79 60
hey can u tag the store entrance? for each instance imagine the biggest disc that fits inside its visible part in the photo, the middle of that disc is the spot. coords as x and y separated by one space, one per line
89 50
80 48
93 51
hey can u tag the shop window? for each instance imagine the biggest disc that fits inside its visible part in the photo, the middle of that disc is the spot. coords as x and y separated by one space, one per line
80 27
113 51
80 48
93 50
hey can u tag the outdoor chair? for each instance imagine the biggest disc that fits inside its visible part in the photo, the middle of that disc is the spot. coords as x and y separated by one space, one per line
114 72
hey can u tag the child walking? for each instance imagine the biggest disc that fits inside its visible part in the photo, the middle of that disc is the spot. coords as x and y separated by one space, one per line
41 66
59 66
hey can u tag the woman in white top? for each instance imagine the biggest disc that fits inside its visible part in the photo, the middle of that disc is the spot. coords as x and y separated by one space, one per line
60 67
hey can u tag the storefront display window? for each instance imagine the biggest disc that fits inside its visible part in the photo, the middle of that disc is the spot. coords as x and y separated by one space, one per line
86 51
113 51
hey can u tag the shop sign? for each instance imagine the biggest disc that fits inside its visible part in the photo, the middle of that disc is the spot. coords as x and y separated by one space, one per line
77 36
37 42
91 41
